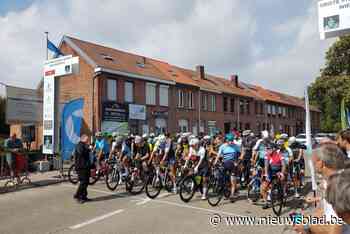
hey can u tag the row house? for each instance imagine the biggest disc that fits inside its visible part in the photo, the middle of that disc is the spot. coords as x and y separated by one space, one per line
149 95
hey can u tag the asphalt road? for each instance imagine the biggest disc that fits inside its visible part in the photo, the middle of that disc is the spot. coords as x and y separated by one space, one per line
52 209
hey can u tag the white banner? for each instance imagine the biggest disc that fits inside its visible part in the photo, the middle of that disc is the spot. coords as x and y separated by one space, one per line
334 18
137 112
49 114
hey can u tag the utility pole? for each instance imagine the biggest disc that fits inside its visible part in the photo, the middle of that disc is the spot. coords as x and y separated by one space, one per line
47 38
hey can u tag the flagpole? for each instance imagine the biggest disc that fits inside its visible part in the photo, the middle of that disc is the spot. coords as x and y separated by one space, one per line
47 38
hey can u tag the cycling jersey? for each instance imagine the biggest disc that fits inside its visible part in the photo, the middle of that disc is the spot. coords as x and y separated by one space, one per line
261 148
275 159
102 145
126 150
229 152
287 154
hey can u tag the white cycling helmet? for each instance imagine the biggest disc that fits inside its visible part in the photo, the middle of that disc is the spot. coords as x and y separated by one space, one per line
265 134
114 134
161 139
292 140
138 139
194 141
284 136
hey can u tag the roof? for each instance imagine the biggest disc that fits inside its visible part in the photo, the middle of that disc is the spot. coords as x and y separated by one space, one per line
120 61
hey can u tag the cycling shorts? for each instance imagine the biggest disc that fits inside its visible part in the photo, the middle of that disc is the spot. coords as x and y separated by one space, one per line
273 170
230 165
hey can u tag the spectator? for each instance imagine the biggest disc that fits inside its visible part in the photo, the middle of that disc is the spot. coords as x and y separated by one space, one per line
12 145
327 159
343 140
338 195
82 166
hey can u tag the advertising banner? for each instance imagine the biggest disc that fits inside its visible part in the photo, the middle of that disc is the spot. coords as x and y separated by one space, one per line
115 112
118 127
23 106
137 112
334 18
49 114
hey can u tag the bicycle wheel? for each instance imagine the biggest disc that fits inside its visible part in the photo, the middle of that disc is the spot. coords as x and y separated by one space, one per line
135 184
276 197
94 176
153 186
215 192
253 193
25 181
112 178
72 174
187 188
169 185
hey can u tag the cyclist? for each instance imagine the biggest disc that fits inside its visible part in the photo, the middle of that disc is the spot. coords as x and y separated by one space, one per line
169 156
248 143
297 163
260 149
116 149
229 152
101 149
202 168
274 163
126 154
142 153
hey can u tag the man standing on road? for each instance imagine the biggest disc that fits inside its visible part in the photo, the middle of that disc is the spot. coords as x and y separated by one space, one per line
82 165
12 145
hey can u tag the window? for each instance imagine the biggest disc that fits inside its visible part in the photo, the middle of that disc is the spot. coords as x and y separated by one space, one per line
257 105
129 91
284 112
213 103
150 93
248 107
180 102
163 95
269 109
183 125
241 106
262 111
112 90
204 102
273 109
232 105
190 100
225 104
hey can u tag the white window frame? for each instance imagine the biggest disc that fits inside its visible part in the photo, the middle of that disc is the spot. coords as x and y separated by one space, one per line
129 93
190 100
183 125
150 90
164 97
273 110
112 90
180 99
269 109
213 103
205 102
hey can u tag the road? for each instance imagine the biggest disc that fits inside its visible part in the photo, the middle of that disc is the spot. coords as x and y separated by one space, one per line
52 209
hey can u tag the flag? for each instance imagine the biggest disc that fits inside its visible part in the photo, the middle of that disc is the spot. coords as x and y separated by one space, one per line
308 140
53 48
345 115
70 126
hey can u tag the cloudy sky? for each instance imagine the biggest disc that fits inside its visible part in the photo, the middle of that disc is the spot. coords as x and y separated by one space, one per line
272 43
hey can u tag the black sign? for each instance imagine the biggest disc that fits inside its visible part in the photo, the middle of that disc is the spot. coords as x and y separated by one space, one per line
116 112
160 114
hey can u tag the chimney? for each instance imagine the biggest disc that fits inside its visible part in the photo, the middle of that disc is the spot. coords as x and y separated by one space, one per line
200 72
234 80
144 60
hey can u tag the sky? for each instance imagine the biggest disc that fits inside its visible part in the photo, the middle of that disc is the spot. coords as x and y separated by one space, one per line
272 43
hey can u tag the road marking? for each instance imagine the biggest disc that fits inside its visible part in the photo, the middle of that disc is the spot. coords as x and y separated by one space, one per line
198 208
146 200
99 191
94 220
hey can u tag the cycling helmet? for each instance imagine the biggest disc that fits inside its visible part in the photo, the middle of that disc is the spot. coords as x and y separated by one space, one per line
194 141
292 140
179 140
207 138
138 139
229 137
145 136
280 143
265 134
161 139
246 133
114 134
284 136
98 134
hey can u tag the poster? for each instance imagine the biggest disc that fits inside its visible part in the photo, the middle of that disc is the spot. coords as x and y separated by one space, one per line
114 112
121 128
137 112
48 114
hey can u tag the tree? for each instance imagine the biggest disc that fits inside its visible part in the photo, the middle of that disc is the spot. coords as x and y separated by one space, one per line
333 85
4 128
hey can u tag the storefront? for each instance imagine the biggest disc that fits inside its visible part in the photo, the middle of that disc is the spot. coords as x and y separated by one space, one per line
183 125
161 121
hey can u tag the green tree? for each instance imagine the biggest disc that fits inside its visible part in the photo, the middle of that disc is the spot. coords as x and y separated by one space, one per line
4 128
333 85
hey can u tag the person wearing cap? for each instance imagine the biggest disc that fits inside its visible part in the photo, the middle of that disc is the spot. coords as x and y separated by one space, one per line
260 149
116 148
141 151
274 163
230 152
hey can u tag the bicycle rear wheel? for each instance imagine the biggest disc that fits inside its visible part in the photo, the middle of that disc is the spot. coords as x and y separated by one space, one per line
187 188
72 174
215 192
135 184
94 176
112 178
277 197
153 186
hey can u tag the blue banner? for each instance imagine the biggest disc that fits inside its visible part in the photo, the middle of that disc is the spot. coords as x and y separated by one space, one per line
70 126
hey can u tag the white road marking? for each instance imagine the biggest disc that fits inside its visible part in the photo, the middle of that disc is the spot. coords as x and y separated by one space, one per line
198 208
98 191
146 200
94 220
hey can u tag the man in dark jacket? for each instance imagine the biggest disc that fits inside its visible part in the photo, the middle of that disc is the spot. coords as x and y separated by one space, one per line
82 165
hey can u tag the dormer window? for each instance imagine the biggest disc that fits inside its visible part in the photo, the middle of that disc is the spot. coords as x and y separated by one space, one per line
107 57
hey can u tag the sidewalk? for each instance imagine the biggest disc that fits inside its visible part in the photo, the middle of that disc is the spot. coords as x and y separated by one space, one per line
37 180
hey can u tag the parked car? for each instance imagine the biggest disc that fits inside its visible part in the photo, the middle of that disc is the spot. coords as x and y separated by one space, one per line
322 137
301 138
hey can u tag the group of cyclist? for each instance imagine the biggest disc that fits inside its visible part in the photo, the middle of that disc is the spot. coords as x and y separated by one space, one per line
241 155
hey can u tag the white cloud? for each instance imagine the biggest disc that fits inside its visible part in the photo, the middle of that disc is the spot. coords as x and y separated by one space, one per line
220 34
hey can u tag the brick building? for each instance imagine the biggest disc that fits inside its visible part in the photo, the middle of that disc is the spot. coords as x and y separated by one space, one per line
175 99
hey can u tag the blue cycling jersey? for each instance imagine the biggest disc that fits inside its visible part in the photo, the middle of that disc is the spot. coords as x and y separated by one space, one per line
229 152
